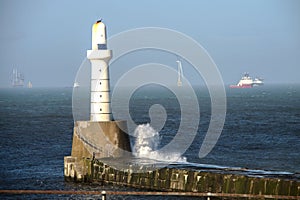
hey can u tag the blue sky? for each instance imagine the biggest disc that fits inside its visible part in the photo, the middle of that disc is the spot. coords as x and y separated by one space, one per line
47 40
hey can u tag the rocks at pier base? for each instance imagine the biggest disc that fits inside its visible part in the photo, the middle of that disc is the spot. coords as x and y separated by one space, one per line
180 178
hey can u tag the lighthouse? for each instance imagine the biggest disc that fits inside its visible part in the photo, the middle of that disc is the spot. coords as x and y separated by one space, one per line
101 136
99 57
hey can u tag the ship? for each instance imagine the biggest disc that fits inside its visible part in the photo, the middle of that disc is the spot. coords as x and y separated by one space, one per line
17 78
247 82
29 85
76 85
258 82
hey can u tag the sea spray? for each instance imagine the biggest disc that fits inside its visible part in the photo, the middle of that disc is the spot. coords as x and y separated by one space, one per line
146 145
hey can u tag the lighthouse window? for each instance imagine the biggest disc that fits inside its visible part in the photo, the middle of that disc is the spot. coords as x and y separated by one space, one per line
100 95
100 109
100 83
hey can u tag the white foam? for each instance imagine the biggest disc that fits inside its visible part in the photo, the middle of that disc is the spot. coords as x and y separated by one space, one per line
147 143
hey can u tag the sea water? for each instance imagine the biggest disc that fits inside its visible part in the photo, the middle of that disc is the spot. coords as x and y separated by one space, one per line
261 132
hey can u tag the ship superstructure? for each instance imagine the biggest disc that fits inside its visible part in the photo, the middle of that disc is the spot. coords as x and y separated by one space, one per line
17 78
247 82
258 81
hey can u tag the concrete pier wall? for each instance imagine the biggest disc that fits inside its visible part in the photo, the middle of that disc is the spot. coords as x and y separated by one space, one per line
187 180
100 139
106 139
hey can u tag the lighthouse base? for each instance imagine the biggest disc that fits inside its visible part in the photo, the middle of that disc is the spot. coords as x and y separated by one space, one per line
96 140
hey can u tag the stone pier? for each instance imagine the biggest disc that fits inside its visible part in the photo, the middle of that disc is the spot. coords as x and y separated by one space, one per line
101 154
185 179
100 139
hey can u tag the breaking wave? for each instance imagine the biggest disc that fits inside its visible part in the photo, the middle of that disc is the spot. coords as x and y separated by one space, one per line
146 145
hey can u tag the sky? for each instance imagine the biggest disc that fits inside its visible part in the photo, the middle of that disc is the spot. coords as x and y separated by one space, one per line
47 40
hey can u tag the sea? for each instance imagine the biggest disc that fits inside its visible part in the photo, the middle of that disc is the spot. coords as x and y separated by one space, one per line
261 132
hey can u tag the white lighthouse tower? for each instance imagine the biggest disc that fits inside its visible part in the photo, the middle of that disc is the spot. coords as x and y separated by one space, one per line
99 57
100 137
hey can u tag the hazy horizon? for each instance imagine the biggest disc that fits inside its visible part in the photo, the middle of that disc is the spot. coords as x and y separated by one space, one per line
47 40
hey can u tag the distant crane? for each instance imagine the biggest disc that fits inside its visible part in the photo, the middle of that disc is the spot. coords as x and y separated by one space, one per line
180 72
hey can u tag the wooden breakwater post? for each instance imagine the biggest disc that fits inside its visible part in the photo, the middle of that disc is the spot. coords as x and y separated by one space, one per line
174 179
